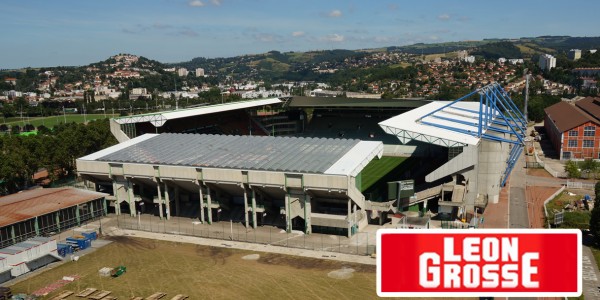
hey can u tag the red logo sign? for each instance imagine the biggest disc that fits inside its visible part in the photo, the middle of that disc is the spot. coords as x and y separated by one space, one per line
478 262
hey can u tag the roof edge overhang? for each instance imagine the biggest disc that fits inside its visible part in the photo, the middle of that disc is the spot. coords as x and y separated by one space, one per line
160 118
355 160
117 147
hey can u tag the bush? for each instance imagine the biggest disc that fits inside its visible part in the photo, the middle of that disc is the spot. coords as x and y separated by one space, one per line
595 222
576 219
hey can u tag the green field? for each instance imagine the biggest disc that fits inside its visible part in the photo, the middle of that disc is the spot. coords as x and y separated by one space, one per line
53 120
203 272
377 169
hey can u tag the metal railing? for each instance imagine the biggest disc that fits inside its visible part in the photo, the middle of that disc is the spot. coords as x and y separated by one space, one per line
580 185
360 243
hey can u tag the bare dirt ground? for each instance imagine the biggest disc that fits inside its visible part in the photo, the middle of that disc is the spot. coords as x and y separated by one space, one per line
539 173
206 272
536 195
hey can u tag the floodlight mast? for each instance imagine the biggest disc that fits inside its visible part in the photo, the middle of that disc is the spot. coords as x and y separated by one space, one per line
526 94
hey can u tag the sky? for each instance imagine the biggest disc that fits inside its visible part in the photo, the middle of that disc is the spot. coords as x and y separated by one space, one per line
46 33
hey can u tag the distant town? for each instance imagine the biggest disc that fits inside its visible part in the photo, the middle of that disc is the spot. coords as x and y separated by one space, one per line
125 83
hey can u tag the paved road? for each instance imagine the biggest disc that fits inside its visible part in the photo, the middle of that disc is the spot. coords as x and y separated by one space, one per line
518 214
590 274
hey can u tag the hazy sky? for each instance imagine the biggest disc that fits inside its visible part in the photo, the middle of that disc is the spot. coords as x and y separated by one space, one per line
78 32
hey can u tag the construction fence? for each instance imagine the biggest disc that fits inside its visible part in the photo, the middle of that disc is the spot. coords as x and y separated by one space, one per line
360 243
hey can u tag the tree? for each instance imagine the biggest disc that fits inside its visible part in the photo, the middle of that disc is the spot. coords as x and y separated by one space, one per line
595 221
590 166
572 169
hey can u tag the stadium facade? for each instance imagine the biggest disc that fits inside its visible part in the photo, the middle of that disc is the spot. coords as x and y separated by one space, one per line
302 163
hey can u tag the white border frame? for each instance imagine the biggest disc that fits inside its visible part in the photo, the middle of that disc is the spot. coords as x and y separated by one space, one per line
479 293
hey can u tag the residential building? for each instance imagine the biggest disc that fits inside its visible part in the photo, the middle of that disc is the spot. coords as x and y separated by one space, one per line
139 91
13 94
547 62
470 59
199 72
10 80
574 129
574 54
592 51
182 72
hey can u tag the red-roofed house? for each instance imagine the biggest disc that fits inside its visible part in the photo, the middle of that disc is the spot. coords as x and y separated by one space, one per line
574 130
10 80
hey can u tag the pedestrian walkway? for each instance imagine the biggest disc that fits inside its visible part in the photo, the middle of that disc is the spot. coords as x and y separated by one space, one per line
590 274
368 260
496 214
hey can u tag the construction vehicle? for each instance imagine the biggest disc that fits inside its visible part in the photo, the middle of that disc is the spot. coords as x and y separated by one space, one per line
118 271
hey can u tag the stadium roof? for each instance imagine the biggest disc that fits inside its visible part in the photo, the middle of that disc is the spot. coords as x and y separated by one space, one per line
355 102
159 119
279 154
29 204
420 124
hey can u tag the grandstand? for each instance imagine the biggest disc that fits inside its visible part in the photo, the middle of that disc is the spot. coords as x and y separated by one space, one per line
457 154
229 118
309 182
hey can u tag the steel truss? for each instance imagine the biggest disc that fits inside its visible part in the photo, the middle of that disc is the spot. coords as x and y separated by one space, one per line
499 120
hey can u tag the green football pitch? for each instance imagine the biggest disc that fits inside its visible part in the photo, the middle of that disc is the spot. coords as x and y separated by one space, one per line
53 120
377 169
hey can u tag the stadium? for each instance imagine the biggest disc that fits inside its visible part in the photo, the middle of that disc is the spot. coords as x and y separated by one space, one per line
328 165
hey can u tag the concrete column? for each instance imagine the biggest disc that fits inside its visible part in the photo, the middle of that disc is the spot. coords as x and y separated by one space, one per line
58 220
254 223
131 196
307 211
288 228
246 206
77 216
167 202
12 234
105 206
37 226
160 201
117 198
349 218
177 200
354 214
209 204
201 202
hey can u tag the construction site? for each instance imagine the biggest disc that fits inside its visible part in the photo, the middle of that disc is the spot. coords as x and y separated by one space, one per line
308 177
308 165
